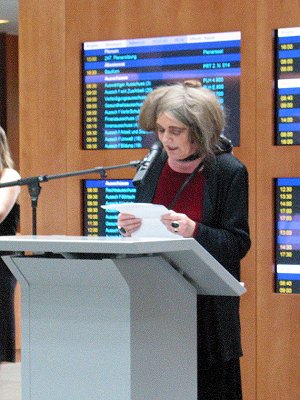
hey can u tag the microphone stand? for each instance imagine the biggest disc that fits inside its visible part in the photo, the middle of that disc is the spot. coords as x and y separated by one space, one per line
34 182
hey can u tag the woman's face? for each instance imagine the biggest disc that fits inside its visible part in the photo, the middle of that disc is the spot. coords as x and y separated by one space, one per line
174 136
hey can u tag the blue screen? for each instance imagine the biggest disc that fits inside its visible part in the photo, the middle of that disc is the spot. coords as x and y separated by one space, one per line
97 192
287 235
118 75
287 57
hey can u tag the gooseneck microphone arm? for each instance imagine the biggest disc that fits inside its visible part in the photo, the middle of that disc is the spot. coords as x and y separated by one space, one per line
34 187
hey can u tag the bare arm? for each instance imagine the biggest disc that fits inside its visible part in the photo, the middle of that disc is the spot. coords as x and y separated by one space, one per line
8 195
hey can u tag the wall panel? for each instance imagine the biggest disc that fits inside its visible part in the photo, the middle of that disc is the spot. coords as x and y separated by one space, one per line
3 80
12 96
42 110
278 364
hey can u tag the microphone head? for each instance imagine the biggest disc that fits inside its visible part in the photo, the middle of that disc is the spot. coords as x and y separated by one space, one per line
147 162
156 146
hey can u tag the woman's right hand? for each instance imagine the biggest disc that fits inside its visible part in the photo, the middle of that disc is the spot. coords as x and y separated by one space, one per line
128 223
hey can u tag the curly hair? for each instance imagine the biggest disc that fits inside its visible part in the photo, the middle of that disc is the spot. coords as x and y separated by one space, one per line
191 104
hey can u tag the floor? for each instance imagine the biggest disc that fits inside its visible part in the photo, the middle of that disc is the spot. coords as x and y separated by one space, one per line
10 381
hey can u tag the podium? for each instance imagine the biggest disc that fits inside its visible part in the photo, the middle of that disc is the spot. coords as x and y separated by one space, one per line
111 318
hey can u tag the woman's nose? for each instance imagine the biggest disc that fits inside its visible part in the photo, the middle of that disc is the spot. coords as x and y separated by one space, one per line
166 136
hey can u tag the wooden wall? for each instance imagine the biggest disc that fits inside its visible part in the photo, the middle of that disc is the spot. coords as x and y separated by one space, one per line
12 97
50 40
278 318
3 80
9 91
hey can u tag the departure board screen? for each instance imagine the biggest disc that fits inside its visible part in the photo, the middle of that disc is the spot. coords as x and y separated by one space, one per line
287 55
118 75
287 235
97 192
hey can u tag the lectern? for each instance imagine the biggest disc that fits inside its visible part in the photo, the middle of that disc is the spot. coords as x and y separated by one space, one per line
111 319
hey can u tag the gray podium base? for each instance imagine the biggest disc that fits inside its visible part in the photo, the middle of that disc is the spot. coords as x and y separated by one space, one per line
111 329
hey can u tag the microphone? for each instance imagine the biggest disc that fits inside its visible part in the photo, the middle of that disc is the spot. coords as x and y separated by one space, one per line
146 164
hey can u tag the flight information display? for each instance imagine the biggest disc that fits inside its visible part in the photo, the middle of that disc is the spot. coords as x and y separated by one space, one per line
287 235
98 192
287 57
119 74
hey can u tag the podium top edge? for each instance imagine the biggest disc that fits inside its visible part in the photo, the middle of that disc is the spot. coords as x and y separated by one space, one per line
88 244
184 253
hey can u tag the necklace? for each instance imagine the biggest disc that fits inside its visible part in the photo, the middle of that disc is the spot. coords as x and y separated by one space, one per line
188 179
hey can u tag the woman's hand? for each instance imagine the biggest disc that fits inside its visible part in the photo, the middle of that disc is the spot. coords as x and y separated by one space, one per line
179 223
128 223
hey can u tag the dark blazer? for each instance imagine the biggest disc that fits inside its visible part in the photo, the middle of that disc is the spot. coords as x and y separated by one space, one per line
223 232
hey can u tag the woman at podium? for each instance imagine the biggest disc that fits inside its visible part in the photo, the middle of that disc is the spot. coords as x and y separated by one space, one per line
195 175
9 218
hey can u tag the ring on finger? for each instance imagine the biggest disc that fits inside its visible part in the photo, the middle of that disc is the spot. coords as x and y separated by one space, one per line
175 225
122 230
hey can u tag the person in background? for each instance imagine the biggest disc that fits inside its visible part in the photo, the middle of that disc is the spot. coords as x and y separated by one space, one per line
206 187
9 218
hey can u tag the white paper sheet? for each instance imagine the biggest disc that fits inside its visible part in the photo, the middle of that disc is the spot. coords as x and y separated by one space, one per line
150 214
